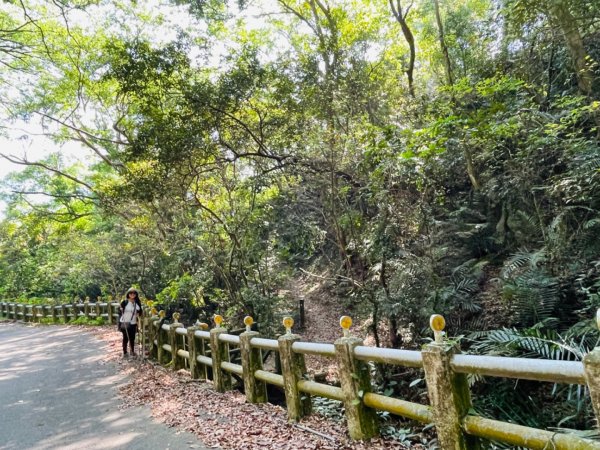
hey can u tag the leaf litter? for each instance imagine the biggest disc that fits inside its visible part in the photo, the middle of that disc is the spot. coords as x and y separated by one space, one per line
225 420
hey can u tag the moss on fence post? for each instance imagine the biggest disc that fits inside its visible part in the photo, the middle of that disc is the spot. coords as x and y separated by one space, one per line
109 312
192 341
174 342
162 339
219 353
293 369
591 365
154 324
355 381
449 394
203 348
256 391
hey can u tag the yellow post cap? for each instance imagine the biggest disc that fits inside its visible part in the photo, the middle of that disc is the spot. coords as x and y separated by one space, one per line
248 321
437 322
346 322
153 311
204 326
288 323
176 316
218 319
162 314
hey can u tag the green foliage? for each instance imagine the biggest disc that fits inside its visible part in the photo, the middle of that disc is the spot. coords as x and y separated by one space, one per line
184 287
88 321
520 403
231 154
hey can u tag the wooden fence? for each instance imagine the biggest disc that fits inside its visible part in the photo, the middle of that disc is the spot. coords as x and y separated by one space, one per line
109 311
206 353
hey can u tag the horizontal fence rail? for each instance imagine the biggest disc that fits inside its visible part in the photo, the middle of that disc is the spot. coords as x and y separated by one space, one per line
108 311
220 356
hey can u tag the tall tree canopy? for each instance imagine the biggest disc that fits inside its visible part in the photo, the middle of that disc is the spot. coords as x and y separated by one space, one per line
423 155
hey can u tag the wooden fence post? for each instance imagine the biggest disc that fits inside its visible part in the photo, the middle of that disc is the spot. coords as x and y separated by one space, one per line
154 324
256 390
161 338
145 322
204 350
449 393
109 312
176 360
356 382
591 365
219 353
301 313
293 368
192 341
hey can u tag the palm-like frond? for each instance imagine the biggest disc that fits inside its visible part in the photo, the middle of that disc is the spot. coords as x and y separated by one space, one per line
533 343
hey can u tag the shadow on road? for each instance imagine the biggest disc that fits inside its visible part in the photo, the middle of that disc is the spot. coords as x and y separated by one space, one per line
56 391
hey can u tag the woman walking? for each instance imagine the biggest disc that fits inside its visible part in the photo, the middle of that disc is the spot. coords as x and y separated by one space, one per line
130 312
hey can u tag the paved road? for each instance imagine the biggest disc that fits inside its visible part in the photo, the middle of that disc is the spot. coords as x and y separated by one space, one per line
57 393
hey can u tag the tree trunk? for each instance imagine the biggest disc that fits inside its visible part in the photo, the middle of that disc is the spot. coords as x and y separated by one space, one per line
471 171
443 46
581 59
570 30
400 16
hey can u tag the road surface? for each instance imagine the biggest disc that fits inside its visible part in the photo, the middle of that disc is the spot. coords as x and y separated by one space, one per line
57 392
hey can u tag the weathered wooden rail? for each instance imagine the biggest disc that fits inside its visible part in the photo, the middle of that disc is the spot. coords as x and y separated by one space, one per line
206 354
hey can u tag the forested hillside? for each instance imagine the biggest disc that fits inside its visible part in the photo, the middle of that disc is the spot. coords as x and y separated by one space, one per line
420 157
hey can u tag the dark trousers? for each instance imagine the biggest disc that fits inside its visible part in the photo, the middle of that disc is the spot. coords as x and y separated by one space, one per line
129 336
